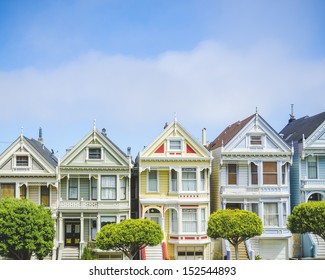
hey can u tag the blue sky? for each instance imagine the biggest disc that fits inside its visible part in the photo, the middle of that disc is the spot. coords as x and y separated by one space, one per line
132 64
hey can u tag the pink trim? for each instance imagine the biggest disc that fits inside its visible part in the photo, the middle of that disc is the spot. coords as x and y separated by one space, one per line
164 250
143 253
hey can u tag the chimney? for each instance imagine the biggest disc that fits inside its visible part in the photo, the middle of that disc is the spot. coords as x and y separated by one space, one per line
40 135
292 117
129 151
204 137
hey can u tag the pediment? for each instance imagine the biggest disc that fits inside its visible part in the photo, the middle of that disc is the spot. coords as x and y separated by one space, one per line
317 138
256 136
173 142
106 153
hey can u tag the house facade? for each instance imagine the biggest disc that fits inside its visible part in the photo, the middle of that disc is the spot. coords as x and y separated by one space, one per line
250 171
94 190
28 170
307 135
174 191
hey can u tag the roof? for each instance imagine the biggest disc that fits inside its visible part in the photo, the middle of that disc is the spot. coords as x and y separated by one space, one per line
228 134
295 129
43 151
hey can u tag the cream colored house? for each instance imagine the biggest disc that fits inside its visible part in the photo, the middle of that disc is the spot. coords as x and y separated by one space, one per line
94 190
174 191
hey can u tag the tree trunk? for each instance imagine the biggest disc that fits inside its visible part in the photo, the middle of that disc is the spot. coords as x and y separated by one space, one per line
236 251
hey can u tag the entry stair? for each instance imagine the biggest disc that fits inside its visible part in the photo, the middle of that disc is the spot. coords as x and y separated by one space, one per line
70 253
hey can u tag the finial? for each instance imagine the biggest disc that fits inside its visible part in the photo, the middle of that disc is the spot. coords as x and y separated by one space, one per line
175 117
21 131
94 124
256 110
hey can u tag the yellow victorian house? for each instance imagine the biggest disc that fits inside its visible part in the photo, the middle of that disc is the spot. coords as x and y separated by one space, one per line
172 179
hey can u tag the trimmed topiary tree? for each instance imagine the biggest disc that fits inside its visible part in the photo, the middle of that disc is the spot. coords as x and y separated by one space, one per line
234 225
129 236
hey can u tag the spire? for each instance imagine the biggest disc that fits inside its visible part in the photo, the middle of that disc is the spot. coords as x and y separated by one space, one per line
292 116
175 120
40 135
94 124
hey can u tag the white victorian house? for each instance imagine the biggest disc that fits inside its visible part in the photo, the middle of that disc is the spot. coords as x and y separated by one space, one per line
250 171
94 190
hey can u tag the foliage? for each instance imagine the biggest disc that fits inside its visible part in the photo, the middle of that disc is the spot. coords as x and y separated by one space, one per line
308 217
234 225
25 229
88 254
129 236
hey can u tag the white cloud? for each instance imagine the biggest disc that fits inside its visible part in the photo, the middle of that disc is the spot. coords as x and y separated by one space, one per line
211 85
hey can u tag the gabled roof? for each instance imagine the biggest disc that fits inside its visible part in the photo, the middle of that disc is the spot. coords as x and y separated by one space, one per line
295 129
43 151
231 131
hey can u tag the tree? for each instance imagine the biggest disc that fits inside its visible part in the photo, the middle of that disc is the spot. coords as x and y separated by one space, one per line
308 217
25 229
129 236
234 225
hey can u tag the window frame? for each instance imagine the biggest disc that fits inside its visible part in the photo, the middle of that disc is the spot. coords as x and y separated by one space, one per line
256 140
45 194
8 186
173 181
267 222
189 170
253 173
149 180
108 188
188 223
312 165
73 187
94 155
269 175
232 175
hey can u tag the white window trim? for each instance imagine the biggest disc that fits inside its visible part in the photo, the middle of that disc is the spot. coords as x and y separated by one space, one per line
14 164
181 139
148 171
95 147
256 145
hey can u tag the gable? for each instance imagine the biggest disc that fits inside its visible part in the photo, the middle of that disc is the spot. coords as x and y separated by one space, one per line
317 138
173 142
94 150
256 136
22 157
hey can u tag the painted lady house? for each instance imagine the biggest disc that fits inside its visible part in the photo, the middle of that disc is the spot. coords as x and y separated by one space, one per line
94 190
250 171
28 170
307 183
172 179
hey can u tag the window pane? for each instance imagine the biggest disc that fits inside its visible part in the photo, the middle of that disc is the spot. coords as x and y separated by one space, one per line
269 173
271 214
108 187
202 175
93 188
95 153
7 190
174 221
45 195
256 140
175 144
107 220
232 174
189 220
312 168
254 176
73 188
174 180
189 179
21 160
153 181
123 188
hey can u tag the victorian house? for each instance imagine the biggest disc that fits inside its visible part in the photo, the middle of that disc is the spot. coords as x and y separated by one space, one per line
307 182
94 190
28 170
250 171
172 179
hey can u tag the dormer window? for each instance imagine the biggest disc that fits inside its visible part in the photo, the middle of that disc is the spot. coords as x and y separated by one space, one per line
256 140
21 160
94 153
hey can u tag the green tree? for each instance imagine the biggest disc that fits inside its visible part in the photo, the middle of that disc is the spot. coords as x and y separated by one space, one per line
25 229
234 225
129 236
308 217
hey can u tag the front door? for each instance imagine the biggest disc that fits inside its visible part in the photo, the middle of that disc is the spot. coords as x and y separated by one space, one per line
72 233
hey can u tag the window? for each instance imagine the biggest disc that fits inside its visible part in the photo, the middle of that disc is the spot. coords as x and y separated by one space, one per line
254 208
73 188
284 174
173 179
174 223
93 183
285 216
189 217
256 140
190 253
270 173
254 177
203 181
23 191
122 218
21 160
7 191
203 220
312 168
108 187
123 183
232 174
94 153
45 195
189 179
106 220
93 229
271 215
175 144
153 181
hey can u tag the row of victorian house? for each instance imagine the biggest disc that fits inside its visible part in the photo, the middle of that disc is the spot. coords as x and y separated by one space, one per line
177 182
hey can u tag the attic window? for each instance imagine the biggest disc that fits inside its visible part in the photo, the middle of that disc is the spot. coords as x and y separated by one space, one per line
256 140
175 145
94 153
21 160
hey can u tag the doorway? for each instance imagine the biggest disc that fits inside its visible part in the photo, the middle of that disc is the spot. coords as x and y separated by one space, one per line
72 233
